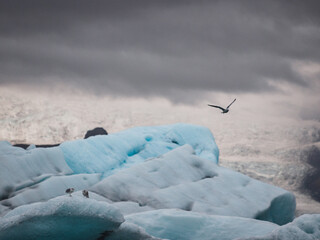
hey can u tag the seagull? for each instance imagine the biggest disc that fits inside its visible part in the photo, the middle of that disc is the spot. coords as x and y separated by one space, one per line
224 110
85 193
69 191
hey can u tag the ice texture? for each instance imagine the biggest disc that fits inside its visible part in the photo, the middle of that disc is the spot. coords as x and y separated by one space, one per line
38 174
60 218
181 179
179 224
24 168
144 183
50 188
104 154
305 227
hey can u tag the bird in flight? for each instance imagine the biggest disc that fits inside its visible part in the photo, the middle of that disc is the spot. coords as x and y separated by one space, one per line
224 110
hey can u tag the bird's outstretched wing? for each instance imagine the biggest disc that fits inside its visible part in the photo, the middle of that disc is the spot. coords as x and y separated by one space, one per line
216 107
231 103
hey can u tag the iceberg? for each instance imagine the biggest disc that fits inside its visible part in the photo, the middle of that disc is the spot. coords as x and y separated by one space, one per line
107 153
161 182
305 227
50 188
61 218
181 179
179 224
26 174
24 168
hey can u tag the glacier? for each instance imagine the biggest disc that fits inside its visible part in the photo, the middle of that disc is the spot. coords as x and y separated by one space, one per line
157 182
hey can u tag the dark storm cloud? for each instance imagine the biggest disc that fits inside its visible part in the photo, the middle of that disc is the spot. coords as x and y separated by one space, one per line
154 47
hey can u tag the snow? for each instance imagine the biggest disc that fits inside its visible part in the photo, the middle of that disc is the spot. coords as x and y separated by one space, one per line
103 154
60 218
181 179
178 224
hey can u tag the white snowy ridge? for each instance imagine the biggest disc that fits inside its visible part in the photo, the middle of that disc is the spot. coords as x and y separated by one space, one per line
161 182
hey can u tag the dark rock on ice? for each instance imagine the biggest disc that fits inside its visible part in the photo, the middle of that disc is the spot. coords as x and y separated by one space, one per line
90 133
21 145
25 146
95 131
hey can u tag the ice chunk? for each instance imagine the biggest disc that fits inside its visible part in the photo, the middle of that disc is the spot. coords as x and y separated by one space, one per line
61 218
105 153
22 168
50 188
306 227
180 179
178 224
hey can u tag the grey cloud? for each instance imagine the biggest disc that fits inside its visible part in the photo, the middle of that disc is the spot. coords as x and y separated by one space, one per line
157 47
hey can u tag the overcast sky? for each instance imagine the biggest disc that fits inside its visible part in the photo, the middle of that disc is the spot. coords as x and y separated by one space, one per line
158 47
